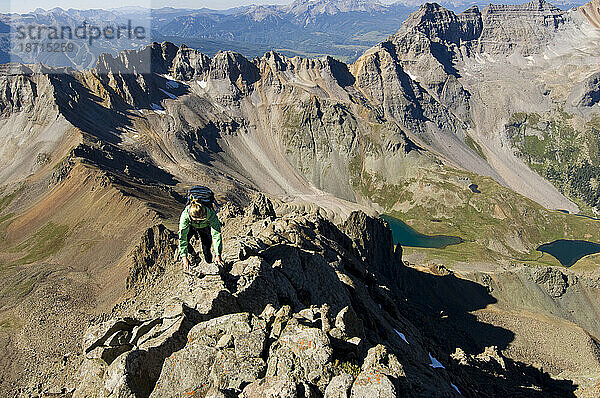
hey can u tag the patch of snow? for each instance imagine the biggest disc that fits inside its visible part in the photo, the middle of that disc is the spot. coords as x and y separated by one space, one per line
479 59
157 108
202 83
435 363
172 84
456 388
402 336
413 77
172 96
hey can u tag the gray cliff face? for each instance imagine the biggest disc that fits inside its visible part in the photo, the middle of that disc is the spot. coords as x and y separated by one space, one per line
525 28
496 30
440 24
17 94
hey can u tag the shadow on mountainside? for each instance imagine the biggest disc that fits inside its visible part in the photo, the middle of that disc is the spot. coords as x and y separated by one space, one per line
82 109
341 73
440 305
113 159
86 110
451 300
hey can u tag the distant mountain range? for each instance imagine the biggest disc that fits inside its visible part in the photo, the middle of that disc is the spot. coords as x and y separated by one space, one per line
343 29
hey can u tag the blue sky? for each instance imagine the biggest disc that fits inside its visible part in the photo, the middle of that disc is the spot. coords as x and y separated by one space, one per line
28 5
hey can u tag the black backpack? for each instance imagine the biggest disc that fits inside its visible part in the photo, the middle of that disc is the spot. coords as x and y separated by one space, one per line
203 195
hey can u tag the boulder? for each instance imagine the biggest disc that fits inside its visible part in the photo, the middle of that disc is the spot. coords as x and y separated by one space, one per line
372 384
270 387
256 287
109 339
379 375
207 362
241 248
303 353
349 323
339 386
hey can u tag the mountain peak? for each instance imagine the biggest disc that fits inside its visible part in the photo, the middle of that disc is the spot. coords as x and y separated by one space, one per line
435 21
533 6
332 7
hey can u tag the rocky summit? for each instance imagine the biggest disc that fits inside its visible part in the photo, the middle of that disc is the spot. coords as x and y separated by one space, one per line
478 129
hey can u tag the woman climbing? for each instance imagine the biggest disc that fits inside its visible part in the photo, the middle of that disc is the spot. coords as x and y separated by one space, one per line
201 221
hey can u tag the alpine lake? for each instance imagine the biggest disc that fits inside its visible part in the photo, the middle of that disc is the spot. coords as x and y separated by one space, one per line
568 252
408 236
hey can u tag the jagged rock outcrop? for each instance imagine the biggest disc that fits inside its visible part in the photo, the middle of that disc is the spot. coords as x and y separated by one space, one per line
261 207
190 64
373 240
156 244
156 58
17 92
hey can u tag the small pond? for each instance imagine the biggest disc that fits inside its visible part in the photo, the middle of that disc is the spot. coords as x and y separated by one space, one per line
474 188
407 236
568 252
578 215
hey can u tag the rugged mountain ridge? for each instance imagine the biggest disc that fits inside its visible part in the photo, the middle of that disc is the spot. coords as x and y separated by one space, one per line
267 103
458 57
295 28
343 332
443 52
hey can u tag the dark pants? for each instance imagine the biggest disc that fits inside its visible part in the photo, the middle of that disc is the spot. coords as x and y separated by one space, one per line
205 238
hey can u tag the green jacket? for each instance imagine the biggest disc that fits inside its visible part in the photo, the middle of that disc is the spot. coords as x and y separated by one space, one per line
185 222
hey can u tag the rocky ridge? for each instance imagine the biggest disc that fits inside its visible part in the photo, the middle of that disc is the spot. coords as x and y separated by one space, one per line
300 310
